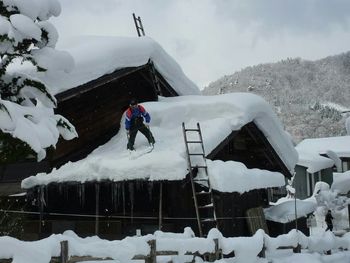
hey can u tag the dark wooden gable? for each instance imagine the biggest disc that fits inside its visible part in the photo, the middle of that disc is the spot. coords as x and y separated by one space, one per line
96 108
249 146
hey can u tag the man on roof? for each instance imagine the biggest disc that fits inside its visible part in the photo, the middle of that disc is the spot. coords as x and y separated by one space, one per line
137 119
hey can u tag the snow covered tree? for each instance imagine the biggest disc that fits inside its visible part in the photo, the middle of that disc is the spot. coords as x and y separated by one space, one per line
305 93
28 124
347 125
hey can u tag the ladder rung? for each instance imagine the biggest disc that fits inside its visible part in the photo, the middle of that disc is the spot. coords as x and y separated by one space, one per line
206 206
199 166
200 180
203 193
208 220
192 130
194 141
196 154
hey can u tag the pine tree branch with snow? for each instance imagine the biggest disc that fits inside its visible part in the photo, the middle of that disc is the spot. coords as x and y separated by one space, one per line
27 49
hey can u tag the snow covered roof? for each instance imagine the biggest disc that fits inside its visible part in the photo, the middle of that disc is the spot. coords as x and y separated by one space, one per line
341 182
218 116
339 145
313 162
285 211
96 56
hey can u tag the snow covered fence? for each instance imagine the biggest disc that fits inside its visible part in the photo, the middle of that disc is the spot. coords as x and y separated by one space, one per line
68 247
151 257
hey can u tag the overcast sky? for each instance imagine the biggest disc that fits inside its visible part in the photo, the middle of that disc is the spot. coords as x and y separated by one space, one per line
211 38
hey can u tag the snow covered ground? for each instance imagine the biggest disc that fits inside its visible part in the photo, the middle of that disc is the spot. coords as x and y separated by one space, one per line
246 249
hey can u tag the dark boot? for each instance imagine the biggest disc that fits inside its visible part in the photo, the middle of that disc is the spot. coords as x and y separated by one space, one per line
131 141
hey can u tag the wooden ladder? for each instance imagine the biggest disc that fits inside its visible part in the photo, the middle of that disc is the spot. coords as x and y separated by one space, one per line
201 189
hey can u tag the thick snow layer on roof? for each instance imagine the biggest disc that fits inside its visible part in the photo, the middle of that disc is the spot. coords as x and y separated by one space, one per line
218 116
285 212
96 56
243 180
340 145
313 162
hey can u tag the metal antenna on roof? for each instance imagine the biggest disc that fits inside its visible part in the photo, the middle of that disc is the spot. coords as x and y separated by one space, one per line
138 25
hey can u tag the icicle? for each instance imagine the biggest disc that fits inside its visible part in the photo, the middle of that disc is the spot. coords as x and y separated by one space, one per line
112 185
131 197
60 189
38 197
46 195
131 192
150 190
79 194
42 195
123 194
65 192
116 196
117 189
83 195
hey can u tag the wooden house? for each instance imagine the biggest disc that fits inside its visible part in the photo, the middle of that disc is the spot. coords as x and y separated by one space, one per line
319 158
94 96
292 214
113 196
330 147
310 169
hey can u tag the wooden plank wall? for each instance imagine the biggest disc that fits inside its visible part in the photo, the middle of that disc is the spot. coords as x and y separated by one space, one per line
256 220
96 114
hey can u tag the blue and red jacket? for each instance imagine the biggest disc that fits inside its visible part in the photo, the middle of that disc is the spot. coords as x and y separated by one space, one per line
132 114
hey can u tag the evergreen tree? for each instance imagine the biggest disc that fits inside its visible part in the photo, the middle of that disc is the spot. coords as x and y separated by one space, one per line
27 122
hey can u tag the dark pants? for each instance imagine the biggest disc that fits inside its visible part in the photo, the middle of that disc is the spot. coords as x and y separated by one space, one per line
329 227
133 132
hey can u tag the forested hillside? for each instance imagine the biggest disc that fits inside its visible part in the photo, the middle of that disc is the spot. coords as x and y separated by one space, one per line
312 98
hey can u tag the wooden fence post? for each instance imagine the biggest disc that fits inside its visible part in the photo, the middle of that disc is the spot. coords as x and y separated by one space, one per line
217 249
297 249
64 251
153 252
262 253
216 255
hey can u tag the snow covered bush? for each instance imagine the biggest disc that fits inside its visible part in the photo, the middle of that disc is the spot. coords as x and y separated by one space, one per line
28 124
